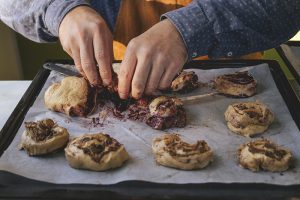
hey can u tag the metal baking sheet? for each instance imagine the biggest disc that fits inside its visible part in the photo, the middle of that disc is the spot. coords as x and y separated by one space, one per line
290 53
12 185
205 122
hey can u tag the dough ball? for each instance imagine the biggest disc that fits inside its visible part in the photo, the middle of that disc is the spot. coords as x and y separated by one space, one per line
72 96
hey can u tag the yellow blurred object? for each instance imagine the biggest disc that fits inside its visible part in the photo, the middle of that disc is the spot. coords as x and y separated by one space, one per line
296 37
252 56
136 17
9 55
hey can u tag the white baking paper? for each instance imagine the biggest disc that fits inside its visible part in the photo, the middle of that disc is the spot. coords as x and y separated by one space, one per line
205 122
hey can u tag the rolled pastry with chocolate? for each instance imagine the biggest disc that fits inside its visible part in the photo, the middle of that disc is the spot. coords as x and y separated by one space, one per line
73 96
96 152
185 82
264 154
248 118
171 151
166 112
239 84
43 137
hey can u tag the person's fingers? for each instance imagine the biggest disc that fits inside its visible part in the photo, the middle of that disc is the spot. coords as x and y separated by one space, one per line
102 51
68 50
155 76
168 77
88 63
140 76
76 57
125 74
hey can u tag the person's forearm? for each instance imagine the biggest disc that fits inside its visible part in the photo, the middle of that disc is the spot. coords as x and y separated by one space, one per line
37 20
221 28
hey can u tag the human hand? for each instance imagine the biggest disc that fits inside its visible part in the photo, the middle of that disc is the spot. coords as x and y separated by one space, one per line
151 61
85 36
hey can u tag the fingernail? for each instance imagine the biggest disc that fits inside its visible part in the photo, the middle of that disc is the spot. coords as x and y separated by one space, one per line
123 96
95 82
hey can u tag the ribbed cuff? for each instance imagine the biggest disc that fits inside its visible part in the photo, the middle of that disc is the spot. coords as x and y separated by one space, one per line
57 10
195 29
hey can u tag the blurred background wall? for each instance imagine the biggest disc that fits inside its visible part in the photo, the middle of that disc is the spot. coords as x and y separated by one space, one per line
21 58
10 64
33 55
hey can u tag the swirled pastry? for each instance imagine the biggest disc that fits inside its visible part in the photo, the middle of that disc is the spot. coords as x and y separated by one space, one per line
72 96
166 112
171 151
164 106
239 84
264 154
43 137
97 152
185 82
248 118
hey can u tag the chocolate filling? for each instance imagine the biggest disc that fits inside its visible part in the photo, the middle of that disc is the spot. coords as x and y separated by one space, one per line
242 78
190 84
258 113
174 143
269 149
120 104
254 114
41 130
161 123
139 110
241 106
99 148
163 106
138 113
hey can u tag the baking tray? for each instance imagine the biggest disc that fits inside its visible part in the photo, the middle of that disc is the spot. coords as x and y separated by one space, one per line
286 60
17 187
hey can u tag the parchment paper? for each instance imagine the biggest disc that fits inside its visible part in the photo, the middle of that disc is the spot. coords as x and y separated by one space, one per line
205 122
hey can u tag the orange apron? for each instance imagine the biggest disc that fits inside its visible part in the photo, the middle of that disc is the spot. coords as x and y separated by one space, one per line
137 16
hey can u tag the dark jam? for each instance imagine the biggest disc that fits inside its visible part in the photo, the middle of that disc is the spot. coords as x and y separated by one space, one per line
174 143
269 149
241 78
40 131
99 146
160 123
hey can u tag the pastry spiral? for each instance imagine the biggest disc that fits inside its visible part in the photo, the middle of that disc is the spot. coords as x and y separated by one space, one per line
171 151
248 118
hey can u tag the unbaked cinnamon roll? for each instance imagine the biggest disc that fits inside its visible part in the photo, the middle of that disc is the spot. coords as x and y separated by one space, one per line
239 84
264 154
248 118
185 82
97 152
43 137
166 112
171 151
